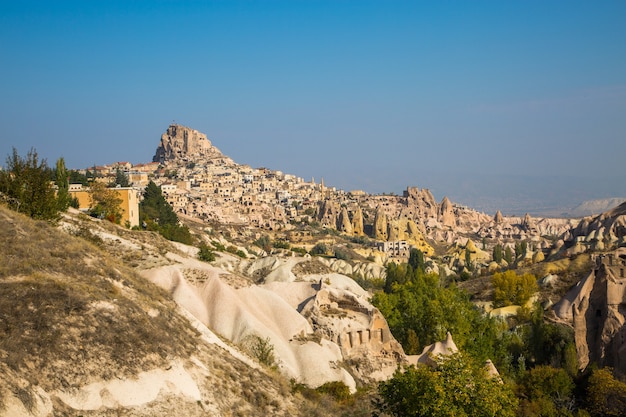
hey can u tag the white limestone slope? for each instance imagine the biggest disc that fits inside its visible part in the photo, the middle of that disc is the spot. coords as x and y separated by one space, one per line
314 322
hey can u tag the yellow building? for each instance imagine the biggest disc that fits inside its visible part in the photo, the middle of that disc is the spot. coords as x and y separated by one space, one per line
129 205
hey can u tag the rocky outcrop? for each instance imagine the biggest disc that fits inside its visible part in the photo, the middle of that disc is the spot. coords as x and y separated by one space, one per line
380 224
421 203
183 143
446 213
597 309
604 232
343 223
327 215
498 217
357 222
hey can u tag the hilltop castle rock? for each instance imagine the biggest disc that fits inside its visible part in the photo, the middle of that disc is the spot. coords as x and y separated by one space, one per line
182 143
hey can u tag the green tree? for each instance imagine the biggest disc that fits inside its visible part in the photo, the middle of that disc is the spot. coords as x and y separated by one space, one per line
63 185
159 216
105 203
508 255
121 178
76 177
497 253
27 187
548 343
546 391
416 259
512 289
205 253
458 387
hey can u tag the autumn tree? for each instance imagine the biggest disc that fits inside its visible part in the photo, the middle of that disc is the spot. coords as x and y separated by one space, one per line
512 289
105 203
606 395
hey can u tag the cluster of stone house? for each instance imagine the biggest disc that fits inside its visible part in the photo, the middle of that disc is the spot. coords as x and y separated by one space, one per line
226 192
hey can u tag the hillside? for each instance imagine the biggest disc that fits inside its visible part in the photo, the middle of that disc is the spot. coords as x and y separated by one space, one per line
81 333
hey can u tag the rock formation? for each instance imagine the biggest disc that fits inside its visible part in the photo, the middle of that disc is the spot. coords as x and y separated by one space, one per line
498 217
183 143
327 215
380 224
604 232
446 213
597 308
357 222
422 203
343 223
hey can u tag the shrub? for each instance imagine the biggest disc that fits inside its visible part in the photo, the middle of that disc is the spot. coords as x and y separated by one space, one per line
336 389
264 243
342 254
205 253
261 349
281 244
319 249
218 246
301 251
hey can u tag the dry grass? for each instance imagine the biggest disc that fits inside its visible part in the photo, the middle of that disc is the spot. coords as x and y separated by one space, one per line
72 311
69 312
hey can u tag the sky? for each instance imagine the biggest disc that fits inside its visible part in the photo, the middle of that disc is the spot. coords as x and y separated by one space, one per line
512 104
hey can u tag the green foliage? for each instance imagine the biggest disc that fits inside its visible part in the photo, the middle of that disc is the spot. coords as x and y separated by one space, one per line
497 253
359 240
342 254
262 350
319 249
512 289
606 396
76 177
264 242
205 253
301 251
549 344
121 178
61 180
158 215
281 244
416 260
458 387
235 251
26 186
508 255
546 391
218 246
420 312
336 389
105 203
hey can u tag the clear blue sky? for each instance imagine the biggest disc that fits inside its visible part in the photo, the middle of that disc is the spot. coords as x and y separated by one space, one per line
372 95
